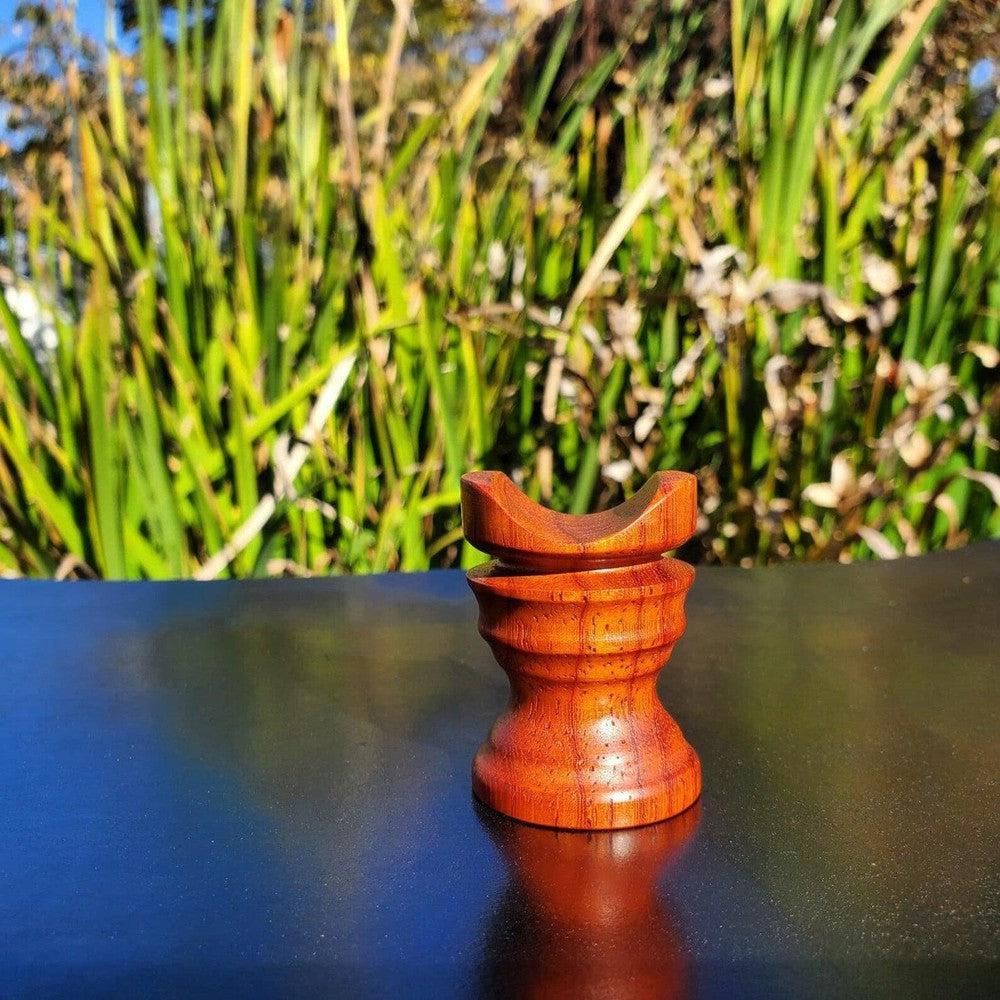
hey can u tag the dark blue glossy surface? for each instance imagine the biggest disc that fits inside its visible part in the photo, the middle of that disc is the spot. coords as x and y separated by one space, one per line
262 789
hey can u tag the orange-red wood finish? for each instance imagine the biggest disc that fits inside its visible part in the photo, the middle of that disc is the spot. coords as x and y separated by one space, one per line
582 611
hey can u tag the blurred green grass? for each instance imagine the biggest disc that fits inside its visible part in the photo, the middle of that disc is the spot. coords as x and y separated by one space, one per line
292 293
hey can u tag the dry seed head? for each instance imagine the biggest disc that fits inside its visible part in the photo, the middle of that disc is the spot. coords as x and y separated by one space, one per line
878 543
639 460
988 355
624 321
647 421
496 260
915 450
816 332
879 274
825 29
618 472
718 86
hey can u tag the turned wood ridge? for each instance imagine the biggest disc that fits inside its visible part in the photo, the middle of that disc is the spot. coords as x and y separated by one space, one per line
582 611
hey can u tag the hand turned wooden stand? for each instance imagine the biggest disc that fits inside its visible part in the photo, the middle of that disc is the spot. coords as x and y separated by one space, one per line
582 612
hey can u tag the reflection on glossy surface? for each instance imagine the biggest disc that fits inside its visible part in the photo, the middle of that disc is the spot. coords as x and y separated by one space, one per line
261 789
583 915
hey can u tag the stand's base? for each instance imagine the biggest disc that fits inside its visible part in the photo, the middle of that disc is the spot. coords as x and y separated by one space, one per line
624 790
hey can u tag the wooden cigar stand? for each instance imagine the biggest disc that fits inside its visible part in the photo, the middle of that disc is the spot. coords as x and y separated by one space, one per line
582 611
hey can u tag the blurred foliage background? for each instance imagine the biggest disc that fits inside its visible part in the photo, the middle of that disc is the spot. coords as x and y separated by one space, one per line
275 274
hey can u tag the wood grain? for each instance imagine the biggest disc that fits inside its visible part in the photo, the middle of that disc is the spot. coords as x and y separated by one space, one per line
582 612
500 520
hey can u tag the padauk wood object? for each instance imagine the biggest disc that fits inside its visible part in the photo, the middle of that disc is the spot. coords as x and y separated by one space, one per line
582 612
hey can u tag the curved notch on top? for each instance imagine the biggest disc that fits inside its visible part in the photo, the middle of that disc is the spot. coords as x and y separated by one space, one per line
499 519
